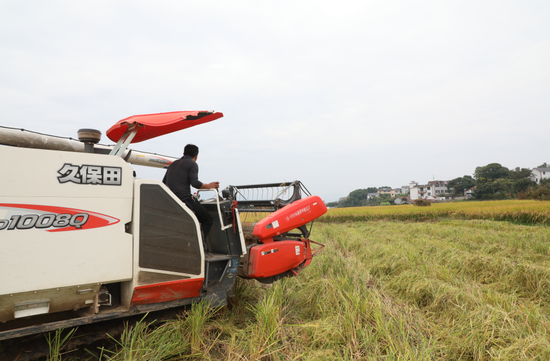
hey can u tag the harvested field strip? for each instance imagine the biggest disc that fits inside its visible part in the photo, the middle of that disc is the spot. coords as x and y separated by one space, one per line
523 212
480 302
486 257
389 290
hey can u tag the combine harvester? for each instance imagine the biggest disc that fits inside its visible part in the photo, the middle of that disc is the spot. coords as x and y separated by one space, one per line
83 241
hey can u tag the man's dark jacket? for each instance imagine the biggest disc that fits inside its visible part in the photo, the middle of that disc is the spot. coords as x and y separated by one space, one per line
182 174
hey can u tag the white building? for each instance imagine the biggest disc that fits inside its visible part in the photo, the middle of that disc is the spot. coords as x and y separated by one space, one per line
405 189
538 174
371 196
431 190
439 187
420 191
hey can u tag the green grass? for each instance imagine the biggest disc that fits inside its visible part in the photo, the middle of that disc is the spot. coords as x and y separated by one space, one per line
140 343
56 343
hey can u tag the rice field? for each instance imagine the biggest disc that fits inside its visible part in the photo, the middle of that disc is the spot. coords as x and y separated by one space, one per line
392 289
522 212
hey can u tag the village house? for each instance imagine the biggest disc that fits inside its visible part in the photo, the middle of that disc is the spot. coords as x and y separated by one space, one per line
419 191
431 190
439 187
389 191
538 174
371 196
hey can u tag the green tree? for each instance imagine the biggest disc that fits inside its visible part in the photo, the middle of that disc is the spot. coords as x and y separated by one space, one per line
503 188
523 184
540 191
459 185
520 173
484 191
543 165
490 172
356 198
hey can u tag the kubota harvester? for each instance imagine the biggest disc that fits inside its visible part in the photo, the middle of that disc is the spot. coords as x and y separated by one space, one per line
83 240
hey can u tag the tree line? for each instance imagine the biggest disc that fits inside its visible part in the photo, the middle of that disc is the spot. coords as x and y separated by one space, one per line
491 182
359 197
494 181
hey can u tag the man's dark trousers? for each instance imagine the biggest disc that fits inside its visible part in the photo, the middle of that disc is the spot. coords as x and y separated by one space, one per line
202 214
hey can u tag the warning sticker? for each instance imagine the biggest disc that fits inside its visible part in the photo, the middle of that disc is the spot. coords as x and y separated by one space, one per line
297 250
275 224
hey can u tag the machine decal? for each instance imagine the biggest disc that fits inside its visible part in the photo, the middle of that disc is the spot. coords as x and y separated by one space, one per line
295 214
90 174
275 224
270 251
50 218
157 159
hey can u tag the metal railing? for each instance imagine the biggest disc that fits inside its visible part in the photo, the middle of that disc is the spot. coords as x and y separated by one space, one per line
257 201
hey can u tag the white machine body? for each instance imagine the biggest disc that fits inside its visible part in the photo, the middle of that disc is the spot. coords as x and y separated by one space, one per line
69 223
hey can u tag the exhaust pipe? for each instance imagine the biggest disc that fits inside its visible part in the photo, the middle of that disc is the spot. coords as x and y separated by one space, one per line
89 137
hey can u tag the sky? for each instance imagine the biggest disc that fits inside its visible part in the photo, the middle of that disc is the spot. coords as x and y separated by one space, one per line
341 95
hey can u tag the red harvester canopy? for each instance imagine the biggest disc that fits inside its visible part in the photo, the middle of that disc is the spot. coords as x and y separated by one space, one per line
155 125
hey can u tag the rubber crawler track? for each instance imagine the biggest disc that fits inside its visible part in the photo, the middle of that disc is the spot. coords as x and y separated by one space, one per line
88 337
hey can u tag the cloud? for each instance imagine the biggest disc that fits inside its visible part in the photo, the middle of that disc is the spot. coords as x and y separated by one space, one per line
344 95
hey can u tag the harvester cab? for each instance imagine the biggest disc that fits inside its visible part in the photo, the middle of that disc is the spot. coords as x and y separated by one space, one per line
84 240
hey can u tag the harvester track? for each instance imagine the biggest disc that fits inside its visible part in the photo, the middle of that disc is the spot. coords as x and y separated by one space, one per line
86 342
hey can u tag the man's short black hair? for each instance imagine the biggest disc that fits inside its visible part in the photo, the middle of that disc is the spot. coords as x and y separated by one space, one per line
191 150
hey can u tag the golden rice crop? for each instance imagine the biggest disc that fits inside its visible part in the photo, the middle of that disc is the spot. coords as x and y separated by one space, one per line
518 211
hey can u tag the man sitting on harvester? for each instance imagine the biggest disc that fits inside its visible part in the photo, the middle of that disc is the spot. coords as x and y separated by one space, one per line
180 176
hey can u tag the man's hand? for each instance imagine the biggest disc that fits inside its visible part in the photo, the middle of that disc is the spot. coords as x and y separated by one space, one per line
212 185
